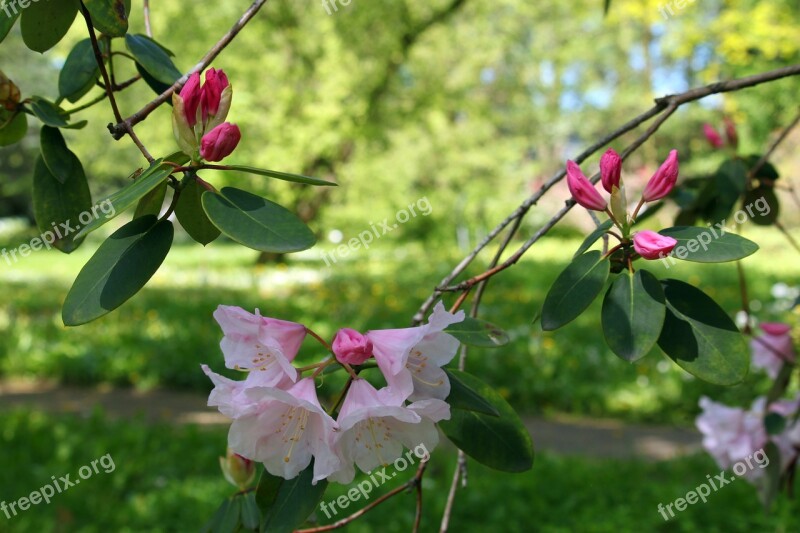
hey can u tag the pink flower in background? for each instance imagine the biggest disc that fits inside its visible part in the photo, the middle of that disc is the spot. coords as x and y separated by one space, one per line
652 245
374 427
663 180
286 431
712 136
610 169
730 132
773 348
351 347
411 358
220 142
582 189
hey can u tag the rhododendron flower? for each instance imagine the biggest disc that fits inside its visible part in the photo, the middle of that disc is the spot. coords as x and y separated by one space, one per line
773 348
287 429
411 358
712 136
220 142
652 245
730 132
582 189
374 427
264 346
663 180
351 347
610 169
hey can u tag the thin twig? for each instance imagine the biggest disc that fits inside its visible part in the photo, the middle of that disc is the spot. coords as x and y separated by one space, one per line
763 159
147 28
122 127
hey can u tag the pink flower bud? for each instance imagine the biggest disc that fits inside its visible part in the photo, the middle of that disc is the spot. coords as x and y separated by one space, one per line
663 180
239 471
351 347
191 94
220 142
713 137
610 169
730 132
216 81
582 189
652 245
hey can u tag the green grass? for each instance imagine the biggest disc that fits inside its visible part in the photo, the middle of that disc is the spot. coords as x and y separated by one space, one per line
166 478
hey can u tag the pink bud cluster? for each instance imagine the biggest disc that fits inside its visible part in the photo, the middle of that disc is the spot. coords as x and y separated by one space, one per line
198 117
715 139
279 421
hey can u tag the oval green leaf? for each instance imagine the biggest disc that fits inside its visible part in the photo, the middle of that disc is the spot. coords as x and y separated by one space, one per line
152 202
700 337
7 22
575 289
763 203
122 265
256 222
286 503
109 16
711 244
46 22
79 73
593 237
61 162
464 397
633 314
296 178
191 215
48 112
14 130
499 442
478 333
153 58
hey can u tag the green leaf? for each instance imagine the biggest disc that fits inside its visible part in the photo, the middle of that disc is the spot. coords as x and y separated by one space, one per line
769 484
296 178
700 337
593 237
151 203
227 517
286 503
61 162
478 333
464 397
633 314
13 131
153 58
764 205
48 112
79 73
46 22
58 205
122 265
731 182
153 83
575 289
774 423
502 443
7 22
256 222
708 244
131 193
251 516
109 16
191 215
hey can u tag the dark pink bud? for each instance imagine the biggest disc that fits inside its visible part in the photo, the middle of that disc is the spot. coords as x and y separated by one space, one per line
216 81
663 180
351 347
218 144
582 189
610 169
652 245
730 132
191 98
713 137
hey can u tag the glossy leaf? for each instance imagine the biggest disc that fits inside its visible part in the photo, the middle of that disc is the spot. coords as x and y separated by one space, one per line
709 244
286 503
152 58
700 337
575 289
46 22
478 333
256 222
763 203
79 73
13 131
730 182
132 193
296 178
499 442
153 83
227 518
49 113
152 202
58 158
593 237
464 397
122 265
191 215
7 22
109 16
251 516
57 206
633 314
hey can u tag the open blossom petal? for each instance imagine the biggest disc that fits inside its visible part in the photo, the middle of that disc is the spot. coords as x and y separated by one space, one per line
289 428
374 427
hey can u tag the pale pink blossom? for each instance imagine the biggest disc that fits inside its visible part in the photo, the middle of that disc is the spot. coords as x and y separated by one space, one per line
773 348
